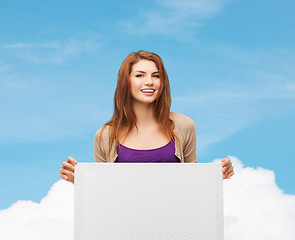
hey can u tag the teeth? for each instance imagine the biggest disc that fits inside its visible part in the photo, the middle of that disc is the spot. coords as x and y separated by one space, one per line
148 91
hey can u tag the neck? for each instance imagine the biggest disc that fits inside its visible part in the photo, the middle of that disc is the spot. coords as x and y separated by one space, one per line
144 114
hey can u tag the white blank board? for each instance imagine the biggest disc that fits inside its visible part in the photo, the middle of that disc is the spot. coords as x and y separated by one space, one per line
143 201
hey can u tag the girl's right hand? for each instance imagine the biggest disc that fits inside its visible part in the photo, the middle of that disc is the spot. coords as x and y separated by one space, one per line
67 171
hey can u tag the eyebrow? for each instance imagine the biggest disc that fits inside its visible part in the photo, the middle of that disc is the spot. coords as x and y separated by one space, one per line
145 72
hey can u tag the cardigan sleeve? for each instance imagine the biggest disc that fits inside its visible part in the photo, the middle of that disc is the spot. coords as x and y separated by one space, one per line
189 150
99 154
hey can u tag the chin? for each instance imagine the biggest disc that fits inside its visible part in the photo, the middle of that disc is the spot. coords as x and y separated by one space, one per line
144 102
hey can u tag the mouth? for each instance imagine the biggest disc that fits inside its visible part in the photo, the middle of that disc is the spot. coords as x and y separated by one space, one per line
149 91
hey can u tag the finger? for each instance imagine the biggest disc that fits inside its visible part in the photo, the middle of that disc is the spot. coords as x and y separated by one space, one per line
66 172
230 174
227 176
68 166
229 165
229 170
224 169
71 160
63 176
225 162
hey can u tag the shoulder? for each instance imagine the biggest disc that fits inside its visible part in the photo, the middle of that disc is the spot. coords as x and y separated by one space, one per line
100 144
182 121
104 130
102 134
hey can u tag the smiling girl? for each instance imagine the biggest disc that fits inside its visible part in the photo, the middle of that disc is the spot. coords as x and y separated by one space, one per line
142 128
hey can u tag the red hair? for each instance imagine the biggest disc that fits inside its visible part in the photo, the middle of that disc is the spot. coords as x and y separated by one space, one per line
124 115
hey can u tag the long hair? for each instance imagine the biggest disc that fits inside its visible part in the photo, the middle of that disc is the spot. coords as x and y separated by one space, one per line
124 115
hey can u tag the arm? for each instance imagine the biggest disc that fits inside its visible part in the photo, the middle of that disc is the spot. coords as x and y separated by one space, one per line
98 146
67 170
189 150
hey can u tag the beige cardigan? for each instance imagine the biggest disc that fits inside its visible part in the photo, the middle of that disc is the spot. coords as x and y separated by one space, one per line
185 148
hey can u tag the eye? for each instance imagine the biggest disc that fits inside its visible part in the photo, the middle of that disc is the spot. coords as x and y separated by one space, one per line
157 76
139 75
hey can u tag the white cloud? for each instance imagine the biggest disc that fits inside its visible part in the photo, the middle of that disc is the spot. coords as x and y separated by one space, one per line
51 52
54 45
52 218
255 208
173 18
199 7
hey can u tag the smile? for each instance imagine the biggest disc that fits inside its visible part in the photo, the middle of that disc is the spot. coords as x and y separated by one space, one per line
148 90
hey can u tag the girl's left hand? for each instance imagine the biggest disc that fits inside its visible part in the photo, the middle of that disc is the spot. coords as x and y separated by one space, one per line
227 168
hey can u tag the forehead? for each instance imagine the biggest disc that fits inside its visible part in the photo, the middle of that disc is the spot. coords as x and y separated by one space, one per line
145 65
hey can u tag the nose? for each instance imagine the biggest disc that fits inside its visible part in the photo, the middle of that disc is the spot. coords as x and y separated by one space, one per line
148 80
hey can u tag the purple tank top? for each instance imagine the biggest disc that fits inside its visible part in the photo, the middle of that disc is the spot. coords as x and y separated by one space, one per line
165 154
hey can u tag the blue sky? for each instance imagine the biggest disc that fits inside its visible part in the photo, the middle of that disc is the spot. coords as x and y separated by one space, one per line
231 66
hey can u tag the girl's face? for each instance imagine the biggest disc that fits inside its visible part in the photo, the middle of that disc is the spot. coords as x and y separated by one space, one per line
145 81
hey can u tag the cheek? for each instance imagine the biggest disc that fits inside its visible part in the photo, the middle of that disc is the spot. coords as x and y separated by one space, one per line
158 83
134 86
